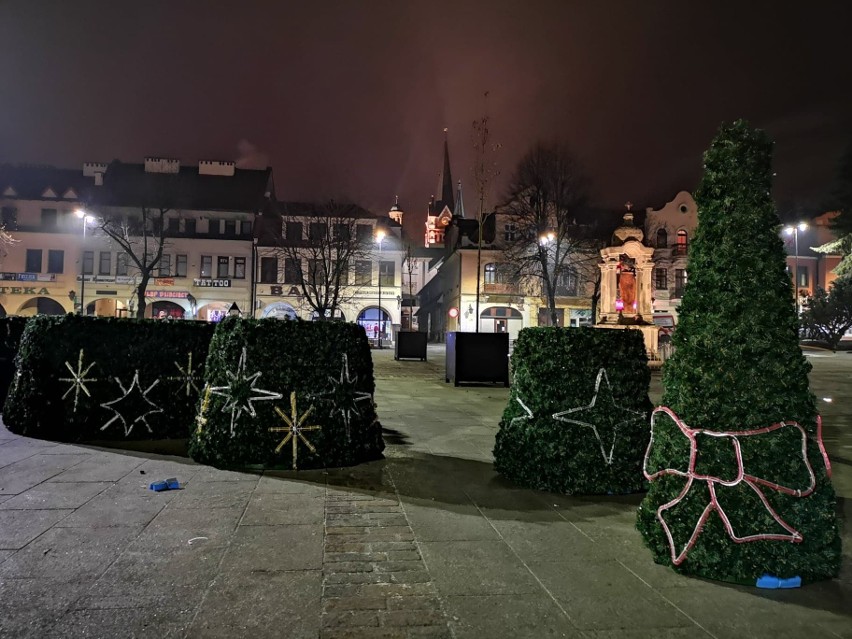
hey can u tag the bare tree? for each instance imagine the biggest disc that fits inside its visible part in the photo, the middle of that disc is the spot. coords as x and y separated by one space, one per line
408 265
138 229
554 246
6 241
320 248
484 172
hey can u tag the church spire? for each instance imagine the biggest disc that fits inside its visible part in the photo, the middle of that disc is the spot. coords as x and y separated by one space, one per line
445 183
459 211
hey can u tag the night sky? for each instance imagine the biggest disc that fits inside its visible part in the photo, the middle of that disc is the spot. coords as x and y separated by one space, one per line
349 99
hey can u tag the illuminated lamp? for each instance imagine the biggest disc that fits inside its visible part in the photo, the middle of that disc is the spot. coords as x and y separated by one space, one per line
453 312
619 305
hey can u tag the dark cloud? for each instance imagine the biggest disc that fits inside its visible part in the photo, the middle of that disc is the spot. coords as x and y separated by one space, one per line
351 98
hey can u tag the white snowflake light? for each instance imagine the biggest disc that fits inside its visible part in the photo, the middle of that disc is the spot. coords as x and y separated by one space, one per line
119 404
78 379
188 375
240 392
595 420
345 396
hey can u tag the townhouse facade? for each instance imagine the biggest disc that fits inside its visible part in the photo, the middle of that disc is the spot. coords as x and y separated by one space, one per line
290 245
61 261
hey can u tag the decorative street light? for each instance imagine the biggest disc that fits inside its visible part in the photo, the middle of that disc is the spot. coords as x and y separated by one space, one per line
380 236
794 231
87 219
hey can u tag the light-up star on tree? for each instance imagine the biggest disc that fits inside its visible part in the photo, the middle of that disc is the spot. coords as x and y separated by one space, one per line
240 392
603 416
130 403
78 379
528 414
294 429
187 375
344 396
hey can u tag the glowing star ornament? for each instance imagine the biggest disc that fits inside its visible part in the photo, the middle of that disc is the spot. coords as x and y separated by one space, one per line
241 392
201 419
718 485
295 428
78 379
344 395
603 416
188 375
130 401
521 418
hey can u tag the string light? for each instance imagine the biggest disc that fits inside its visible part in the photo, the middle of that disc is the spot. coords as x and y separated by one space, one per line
793 536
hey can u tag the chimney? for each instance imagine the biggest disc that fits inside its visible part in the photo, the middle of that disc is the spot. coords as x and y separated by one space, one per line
90 169
162 165
216 167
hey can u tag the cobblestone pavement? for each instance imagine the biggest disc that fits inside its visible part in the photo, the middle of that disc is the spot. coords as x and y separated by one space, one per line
428 542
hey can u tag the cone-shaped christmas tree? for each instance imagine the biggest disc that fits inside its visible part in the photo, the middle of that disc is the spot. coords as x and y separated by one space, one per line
739 481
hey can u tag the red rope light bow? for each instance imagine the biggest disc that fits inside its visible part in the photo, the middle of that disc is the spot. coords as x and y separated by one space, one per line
755 483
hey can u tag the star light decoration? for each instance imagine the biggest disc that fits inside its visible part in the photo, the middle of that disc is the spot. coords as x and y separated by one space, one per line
598 416
78 379
121 404
240 392
344 396
294 429
187 375
201 419
521 418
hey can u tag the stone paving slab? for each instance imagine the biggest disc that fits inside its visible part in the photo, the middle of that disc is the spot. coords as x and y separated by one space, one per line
429 542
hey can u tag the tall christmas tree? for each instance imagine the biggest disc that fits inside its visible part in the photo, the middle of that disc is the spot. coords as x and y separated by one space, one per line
739 481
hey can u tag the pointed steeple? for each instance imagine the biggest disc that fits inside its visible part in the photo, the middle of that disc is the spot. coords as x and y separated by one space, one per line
459 210
396 213
445 181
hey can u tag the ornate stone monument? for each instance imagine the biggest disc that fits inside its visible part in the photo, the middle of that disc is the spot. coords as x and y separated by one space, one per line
626 289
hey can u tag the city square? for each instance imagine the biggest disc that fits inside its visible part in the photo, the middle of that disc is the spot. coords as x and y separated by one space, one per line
428 542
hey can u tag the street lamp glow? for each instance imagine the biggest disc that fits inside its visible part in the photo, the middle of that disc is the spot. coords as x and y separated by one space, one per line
794 231
380 235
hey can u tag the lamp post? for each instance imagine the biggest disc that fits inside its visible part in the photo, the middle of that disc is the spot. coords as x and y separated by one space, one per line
794 231
380 236
86 219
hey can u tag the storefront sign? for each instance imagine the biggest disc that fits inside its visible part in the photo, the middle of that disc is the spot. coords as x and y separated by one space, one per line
167 294
124 279
29 277
279 291
164 281
98 292
23 290
212 283
106 279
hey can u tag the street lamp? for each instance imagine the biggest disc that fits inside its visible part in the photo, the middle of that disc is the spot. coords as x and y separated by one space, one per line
380 236
794 231
87 219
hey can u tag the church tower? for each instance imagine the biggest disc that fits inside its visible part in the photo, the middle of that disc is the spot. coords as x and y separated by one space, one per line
395 212
440 212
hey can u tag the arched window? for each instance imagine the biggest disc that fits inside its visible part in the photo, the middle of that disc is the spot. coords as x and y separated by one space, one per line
682 242
662 238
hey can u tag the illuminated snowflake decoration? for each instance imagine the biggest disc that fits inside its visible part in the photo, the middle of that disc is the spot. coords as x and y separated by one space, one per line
78 379
294 428
188 375
241 392
130 401
344 395
597 416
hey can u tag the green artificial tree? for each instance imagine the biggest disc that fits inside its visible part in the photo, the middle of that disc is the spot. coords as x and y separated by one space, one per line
577 419
753 503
